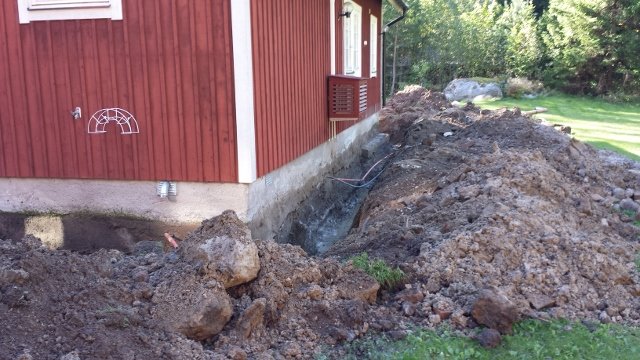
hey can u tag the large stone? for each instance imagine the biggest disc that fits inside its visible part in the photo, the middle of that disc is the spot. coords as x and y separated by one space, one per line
468 90
412 295
222 248
230 260
489 338
252 318
444 308
356 285
187 306
540 301
494 310
630 205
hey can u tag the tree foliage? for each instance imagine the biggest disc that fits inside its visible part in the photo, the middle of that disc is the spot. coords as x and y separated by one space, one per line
589 46
592 46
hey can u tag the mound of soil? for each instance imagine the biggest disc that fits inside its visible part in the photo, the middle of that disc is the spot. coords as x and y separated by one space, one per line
154 305
483 211
477 199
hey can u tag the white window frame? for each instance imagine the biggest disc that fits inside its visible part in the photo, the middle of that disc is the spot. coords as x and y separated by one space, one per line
44 10
373 47
353 41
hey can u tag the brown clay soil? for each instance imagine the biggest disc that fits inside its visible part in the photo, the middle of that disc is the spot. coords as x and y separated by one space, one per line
503 202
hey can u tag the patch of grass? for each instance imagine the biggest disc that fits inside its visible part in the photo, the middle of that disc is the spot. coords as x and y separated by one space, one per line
603 124
388 277
532 339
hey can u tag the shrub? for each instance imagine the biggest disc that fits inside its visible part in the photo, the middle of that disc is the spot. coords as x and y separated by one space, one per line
518 87
387 277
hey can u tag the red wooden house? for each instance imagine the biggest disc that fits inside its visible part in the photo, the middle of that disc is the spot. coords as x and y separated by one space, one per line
231 102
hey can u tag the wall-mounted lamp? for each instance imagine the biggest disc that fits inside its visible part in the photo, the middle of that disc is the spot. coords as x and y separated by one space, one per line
347 9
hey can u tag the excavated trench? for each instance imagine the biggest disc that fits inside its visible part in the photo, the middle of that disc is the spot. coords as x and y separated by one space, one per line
330 211
87 233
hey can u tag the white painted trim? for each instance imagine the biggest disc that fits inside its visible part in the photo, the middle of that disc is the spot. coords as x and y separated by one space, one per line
332 12
30 10
352 41
243 74
373 46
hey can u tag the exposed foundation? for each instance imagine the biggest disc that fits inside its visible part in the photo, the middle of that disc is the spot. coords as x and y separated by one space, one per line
274 196
264 204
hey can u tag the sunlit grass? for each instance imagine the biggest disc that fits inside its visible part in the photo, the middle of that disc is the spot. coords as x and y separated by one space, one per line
532 339
605 125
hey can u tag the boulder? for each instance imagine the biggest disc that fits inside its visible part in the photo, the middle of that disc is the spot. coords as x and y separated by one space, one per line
252 318
469 90
232 261
223 250
186 305
489 338
630 205
357 285
494 310
540 301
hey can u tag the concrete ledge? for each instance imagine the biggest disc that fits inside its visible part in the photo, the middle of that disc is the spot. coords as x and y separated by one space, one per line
195 201
273 196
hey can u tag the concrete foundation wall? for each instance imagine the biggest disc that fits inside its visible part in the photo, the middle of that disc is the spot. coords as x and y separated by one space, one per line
195 201
273 196
264 204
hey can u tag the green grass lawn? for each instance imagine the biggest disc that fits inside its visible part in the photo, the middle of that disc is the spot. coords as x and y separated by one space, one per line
600 123
531 340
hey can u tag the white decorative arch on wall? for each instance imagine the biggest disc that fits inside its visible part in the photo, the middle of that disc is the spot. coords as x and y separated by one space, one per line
99 120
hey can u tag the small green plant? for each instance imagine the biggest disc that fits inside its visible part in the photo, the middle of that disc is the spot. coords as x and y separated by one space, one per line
387 277
638 262
629 213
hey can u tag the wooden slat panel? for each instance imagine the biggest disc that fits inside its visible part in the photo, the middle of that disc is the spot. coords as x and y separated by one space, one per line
169 62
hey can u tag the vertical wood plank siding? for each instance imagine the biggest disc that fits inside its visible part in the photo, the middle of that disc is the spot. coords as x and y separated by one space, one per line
292 60
169 63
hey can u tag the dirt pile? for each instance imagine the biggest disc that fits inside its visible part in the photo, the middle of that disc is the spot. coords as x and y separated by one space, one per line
220 295
475 198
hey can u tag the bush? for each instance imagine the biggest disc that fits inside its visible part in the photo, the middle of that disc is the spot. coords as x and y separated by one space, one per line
387 277
518 87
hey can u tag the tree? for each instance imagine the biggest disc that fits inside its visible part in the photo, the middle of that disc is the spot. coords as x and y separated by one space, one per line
523 48
592 46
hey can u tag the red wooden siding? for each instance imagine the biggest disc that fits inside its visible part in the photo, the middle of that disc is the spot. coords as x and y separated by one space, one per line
292 58
169 63
292 61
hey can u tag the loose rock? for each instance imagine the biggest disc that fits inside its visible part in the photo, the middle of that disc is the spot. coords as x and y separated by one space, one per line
495 311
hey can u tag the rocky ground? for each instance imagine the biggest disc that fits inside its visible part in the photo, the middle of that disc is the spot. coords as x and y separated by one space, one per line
503 218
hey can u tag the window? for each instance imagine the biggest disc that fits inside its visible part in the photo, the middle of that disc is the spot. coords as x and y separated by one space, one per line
373 47
353 41
37 10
